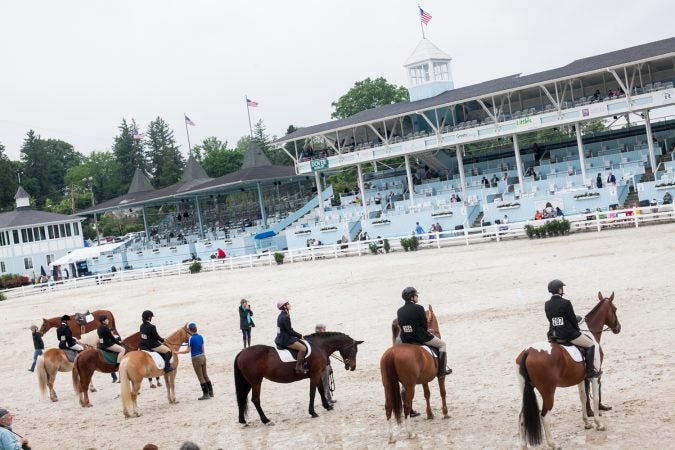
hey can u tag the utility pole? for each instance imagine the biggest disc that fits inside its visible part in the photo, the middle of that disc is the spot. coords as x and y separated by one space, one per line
90 182
72 198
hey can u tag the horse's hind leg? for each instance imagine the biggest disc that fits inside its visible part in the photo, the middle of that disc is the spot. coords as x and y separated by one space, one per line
255 398
135 390
547 406
51 377
583 397
407 406
427 396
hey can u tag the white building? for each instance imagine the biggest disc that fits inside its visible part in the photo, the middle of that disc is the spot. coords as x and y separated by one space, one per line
30 240
428 70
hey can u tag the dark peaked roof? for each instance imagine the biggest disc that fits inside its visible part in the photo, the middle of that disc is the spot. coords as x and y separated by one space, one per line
255 157
140 182
578 67
21 193
193 171
26 216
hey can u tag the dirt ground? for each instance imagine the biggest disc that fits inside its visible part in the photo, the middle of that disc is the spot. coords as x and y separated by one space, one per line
489 301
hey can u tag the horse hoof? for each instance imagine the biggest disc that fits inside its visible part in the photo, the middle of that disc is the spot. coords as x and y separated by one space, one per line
269 424
446 416
328 407
93 390
54 399
588 426
392 440
600 427
602 407
88 405
314 415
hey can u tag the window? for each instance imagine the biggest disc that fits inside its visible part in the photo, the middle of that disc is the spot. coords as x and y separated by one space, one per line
76 228
62 230
15 233
3 242
441 71
50 259
28 263
29 231
51 231
419 74
3 269
24 235
42 234
68 230
56 231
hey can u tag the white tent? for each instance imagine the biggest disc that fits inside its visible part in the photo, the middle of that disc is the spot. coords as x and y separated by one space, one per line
85 253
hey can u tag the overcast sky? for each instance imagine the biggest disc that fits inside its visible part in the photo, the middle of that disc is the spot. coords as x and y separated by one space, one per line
72 69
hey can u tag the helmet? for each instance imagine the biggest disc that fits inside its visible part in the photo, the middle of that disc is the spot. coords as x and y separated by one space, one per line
554 285
192 326
408 293
65 318
102 317
147 315
282 303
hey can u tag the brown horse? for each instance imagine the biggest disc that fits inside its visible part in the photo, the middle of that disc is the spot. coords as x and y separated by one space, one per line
409 364
547 365
77 329
52 361
91 360
254 363
137 365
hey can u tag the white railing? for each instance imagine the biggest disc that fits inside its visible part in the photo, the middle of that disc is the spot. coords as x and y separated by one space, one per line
592 221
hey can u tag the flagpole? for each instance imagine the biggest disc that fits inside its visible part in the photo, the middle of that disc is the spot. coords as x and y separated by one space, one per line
188 134
248 111
419 8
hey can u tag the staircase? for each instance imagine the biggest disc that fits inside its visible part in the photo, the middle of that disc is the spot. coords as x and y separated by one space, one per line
479 221
632 198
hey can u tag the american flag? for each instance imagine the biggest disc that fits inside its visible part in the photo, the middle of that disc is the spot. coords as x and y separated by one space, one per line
137 137
188 121
251 103
424 16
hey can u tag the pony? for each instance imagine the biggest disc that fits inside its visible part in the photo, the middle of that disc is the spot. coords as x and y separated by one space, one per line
53 360
254 363
91 360
409 364
137 365
77 329
546 366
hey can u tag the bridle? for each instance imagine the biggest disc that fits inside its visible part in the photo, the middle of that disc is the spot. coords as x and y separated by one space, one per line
345 361
187 331
608 328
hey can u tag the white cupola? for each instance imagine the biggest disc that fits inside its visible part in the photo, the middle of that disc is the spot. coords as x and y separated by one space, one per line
22 198
428 70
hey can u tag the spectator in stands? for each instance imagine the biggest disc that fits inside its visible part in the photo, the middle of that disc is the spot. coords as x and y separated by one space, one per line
505 176
611 179
598 181
549 212
558 212
485 182
505 220
419 229
537 215
453 199
529 172
610 94
596 95
667 198
378 198
356 200
494 180
350 144
439 228
364 236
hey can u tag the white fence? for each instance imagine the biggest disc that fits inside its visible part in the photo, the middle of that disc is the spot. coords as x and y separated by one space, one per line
593 221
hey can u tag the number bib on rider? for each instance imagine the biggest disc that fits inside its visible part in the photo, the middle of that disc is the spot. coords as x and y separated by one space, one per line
557 321
407 328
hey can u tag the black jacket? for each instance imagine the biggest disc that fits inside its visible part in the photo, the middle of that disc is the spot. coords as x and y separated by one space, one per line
413 323
105 337
38 344
149 337
65 336
243 323
561 318
286 335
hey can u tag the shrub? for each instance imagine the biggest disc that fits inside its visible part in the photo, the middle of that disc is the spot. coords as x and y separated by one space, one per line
405 243
386 246
414 242
195 267
529 231
12 280
279 257
373 248
2 296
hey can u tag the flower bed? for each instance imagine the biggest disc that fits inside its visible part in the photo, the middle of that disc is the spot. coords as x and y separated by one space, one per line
381 222
587 196
441 214
328 229
301 232
509 205
667 185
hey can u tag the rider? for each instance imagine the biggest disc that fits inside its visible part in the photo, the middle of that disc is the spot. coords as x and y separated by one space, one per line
150 340
106 340
563 325
413 323
287 337
65 336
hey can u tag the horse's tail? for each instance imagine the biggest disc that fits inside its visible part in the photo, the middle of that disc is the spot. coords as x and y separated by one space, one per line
125 385
392 390
242 387
530 410
395 329
76 375
42 375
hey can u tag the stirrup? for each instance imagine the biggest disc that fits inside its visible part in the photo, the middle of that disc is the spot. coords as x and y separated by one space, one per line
593 374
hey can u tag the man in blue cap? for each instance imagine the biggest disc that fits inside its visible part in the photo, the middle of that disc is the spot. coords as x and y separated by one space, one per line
196 349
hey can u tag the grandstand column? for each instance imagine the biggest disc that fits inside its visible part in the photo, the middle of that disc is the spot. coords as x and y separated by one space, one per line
650 143
460 166
319 191
519 163
199 218
362 191
263 213
582 157
411 187
145 224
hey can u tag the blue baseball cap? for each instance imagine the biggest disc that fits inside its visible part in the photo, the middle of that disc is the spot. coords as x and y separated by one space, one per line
192 325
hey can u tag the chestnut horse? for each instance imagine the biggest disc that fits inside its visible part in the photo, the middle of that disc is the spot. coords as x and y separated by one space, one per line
91 360
547 365
254 363
409 364
52 361
79 330
137 365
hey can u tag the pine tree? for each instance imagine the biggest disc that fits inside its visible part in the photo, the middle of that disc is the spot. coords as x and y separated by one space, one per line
9 183
165 161
128 152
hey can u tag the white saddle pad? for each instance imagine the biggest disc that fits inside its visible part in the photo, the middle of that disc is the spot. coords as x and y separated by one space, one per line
157 358
89 318
428 349
286 356
544 346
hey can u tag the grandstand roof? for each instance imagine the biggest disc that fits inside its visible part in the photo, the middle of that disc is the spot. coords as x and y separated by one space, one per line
598 63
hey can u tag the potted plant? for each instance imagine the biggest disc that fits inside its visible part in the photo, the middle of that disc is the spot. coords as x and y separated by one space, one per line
386 246
279 257
373 248
565 227
405 244
529 231
195 267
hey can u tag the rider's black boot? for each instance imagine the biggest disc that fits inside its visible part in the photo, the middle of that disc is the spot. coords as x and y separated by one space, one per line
167 362
299 364
443 370
590 362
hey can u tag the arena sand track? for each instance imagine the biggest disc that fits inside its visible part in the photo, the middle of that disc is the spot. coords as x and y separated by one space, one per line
489 301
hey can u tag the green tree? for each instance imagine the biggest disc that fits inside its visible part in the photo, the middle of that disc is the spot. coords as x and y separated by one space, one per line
264 141
9 183
201 151
368 94
216 159
593 126
103 170
128 151
163 155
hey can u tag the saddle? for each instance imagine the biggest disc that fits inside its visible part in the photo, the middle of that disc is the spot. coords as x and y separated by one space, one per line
83 319
108 357
70 354
577 353
432 350
290 355
156 357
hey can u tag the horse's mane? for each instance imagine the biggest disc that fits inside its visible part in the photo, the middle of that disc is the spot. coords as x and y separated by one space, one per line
595 308
325 334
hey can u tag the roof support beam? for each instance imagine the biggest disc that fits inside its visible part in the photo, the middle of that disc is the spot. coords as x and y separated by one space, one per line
329 143
550 97
377 133
487 110
426 119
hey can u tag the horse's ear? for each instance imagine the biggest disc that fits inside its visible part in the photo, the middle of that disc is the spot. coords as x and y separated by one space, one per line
611 297
431 309
359 342
600 297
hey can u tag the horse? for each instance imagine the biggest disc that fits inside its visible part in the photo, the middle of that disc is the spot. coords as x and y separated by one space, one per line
254 363
53 360
137 365
77 329
546 366
409 364
91 360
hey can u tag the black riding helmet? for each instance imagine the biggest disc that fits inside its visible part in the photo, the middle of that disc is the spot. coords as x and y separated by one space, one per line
147 315
554 285
102 318
408 293
65 318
